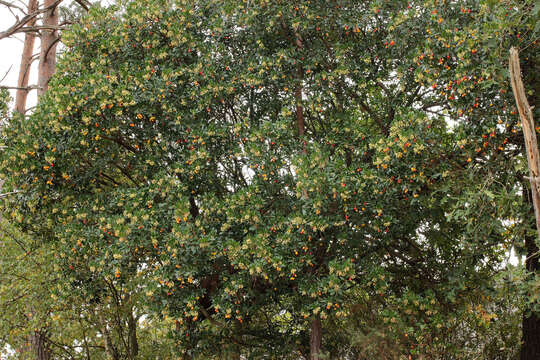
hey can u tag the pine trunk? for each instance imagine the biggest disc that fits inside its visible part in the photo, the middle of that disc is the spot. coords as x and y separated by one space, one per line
47 66
49 39
26 63
20 106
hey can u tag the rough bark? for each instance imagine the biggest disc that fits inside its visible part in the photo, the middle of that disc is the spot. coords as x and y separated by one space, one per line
315 338
26 62
530 348
39 345
529 131
49 39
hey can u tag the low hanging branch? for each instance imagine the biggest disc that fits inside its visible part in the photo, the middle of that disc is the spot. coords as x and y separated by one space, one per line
529 131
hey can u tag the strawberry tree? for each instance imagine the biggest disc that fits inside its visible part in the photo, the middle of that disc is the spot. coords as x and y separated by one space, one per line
259 170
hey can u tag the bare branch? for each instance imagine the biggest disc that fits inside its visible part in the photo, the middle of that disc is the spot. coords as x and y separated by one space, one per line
10 5
36 29
51 45
83 5
6 74
30 87
21 23
26 63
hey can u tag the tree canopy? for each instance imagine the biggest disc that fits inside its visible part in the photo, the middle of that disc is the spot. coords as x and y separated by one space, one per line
247 174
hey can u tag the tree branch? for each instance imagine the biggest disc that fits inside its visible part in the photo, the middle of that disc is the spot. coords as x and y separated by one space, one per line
31 87
10 5
83 5
15 28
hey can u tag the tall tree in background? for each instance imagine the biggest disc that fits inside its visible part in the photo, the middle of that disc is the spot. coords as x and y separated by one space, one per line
46 68
26 62
49 40
39 21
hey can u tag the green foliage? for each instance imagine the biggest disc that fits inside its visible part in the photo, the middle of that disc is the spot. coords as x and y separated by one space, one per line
168 161
5 100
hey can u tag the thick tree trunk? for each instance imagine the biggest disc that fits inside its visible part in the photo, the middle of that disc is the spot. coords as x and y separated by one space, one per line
26 62
315 338
49 39
39 344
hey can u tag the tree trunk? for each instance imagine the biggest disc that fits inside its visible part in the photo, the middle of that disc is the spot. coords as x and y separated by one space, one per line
298 91
109 346
132 335
26 62
47 65
110 349
47 56
39 344
315 338
530 347
530 341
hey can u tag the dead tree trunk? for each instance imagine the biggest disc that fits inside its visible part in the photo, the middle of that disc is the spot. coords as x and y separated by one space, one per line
530 349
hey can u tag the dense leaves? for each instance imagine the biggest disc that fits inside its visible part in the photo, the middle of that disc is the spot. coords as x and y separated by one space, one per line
240 168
